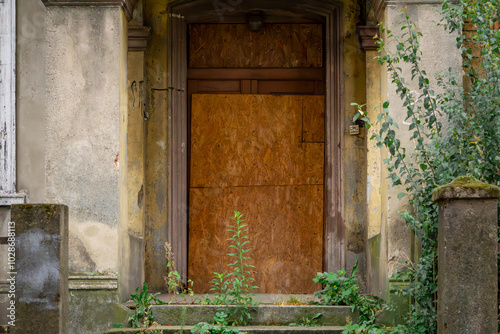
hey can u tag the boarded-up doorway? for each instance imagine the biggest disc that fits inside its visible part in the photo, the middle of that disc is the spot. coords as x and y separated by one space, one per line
262 155
186 77
256 148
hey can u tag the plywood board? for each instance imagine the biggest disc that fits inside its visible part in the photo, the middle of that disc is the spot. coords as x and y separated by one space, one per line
248 154
241 140
286 229
314 119
235 46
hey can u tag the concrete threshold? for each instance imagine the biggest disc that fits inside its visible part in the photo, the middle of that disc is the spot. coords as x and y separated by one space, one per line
273 299
262 315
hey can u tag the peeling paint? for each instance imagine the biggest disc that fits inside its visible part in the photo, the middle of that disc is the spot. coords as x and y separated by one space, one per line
369 188
161 143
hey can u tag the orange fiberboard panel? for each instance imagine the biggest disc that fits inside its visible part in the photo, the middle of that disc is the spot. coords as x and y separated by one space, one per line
261 155
235 46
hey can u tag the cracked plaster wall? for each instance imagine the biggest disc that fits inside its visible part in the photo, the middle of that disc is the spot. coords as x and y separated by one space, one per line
439 54
84 96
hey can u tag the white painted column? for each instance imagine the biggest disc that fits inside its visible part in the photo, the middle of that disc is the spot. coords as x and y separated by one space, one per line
8 104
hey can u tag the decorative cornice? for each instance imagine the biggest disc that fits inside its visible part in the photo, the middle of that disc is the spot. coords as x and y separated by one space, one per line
9 199
93 282
367 37
138 38
80 283
127 5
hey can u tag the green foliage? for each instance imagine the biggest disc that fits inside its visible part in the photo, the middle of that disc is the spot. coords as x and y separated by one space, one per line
142 316
173 280
241 278
220 286
292 300
466 145
234 288
306 322
219 326
340 289
365 328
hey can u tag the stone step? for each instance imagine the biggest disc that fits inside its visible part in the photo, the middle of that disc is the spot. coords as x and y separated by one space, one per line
262 315
246 329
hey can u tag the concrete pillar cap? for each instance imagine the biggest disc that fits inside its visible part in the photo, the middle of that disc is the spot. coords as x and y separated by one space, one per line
465 187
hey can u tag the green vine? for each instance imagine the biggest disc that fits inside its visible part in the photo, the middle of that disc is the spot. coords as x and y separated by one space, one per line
467 145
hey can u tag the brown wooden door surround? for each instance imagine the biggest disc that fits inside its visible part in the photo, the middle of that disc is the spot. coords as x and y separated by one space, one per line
257 143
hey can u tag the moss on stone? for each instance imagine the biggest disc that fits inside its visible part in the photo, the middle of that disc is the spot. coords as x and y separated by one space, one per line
96 311
465 187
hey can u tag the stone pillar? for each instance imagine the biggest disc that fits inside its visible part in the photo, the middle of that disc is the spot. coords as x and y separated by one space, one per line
41 263
467 256
131 231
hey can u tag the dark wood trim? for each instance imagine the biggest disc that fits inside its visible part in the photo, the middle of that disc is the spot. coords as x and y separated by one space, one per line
367 37
138 38
202 11
334 229
178 132
127 5
246 87
257 73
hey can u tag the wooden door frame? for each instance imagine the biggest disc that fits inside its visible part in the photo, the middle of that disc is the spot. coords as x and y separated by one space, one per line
184 12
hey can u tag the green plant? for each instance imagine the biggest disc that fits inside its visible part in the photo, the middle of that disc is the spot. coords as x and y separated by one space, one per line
291 300
220 286
241 278
306 322
219 326
340 289
142 316
467 145
232 289
173 280
364 328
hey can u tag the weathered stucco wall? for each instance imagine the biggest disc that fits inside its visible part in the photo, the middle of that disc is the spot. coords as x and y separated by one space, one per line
155 16
30 98
434 59
131 251
439 54
85 97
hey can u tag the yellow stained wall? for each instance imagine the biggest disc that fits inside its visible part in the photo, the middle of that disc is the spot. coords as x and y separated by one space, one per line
156 168
132 227
354 150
